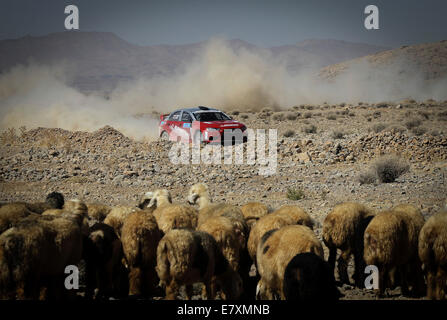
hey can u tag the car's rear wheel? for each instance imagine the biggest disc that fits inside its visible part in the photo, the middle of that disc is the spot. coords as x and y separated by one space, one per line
164 136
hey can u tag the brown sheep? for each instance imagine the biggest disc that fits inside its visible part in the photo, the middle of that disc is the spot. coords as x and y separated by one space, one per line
433 254
185 257
117 216
172 216
140 237
343 229
35 252
11 213
24 252
263 225
145 200
390 243
102 254
298 215
253 211
275 250
199 194
98 211
221 228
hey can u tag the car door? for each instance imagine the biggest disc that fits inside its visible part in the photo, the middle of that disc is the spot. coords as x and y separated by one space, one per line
174 124
186 125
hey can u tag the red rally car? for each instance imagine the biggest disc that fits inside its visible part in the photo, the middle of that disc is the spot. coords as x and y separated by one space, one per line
202 125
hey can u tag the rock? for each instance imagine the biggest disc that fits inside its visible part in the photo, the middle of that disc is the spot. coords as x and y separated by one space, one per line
304 157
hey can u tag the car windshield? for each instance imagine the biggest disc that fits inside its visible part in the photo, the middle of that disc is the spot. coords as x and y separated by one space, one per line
211 116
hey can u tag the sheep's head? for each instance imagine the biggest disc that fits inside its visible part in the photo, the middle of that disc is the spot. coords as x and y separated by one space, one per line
160 197
55 200
196 192
145 200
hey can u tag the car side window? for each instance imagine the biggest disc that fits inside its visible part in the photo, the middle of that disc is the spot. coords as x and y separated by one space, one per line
175 116
186 117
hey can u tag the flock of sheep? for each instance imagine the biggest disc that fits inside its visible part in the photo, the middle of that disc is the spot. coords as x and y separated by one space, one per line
138 251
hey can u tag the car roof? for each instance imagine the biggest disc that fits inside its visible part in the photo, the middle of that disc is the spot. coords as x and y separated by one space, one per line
197 109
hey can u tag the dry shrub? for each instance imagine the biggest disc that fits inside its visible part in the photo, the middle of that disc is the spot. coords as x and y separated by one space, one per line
442 115
295 194
338 135
396 128
377 114
289 133
413 123
367 177
388 168
378 127
278 116
418 131
291 116
310 129
424 114
307 115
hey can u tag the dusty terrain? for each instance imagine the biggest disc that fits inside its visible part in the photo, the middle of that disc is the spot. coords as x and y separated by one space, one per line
321 165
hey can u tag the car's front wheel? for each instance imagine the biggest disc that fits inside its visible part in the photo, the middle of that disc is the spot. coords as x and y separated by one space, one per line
198 138
164 136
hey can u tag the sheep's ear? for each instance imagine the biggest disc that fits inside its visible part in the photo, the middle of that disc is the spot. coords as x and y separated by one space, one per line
152 203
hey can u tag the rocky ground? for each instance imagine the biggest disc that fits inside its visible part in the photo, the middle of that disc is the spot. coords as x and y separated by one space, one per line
322 151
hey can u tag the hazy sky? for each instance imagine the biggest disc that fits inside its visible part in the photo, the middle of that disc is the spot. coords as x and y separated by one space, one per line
262 22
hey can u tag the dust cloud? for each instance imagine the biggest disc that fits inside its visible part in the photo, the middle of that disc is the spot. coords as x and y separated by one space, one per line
222 77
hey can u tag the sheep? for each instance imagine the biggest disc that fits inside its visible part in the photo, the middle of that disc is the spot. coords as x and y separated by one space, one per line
74 206
286 215
343 228
433 254
253 211
102 254
309 277
117 216
414 225
263 225
140 237
145 200
185 257
35 252
172 216
221 228
98 211
390 243
298 215
199 194
23 254
13 212
276 249
54 200
235 231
